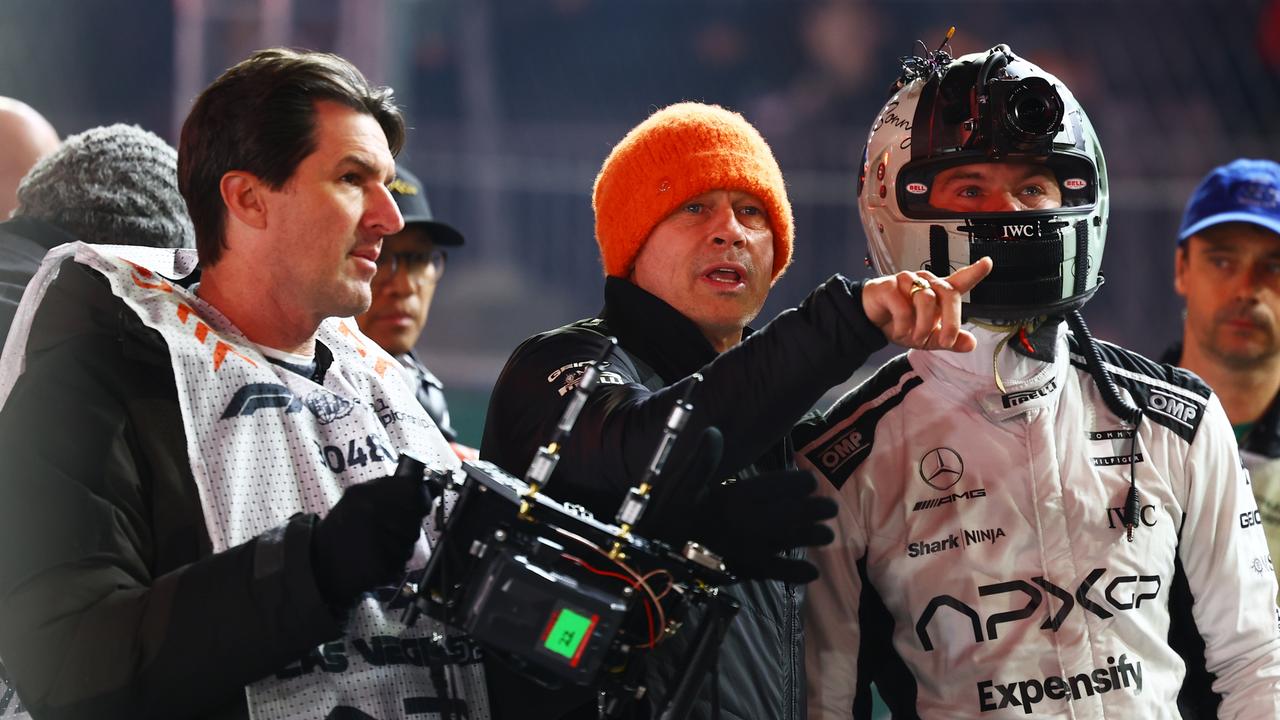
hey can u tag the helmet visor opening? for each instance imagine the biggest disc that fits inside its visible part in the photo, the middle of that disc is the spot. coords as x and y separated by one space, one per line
966 184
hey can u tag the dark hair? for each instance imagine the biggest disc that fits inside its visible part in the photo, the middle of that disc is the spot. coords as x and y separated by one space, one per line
259 117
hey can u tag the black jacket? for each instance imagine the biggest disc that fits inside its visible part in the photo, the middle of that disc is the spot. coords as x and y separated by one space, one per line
755 393
111 601
430 392
23 244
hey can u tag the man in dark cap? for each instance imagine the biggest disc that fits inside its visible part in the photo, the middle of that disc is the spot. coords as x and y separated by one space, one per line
409 269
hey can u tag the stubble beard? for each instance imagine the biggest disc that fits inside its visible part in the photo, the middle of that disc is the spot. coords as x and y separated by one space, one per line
1242 357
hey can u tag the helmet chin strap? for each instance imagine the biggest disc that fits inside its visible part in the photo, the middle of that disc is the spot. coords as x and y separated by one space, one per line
1010 328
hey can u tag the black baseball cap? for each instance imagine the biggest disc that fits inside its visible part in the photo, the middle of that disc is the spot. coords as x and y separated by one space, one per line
411 198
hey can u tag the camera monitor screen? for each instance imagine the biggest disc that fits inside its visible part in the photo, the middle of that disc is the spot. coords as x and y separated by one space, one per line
567 633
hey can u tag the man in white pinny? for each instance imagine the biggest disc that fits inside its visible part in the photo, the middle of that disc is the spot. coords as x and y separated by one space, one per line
199 510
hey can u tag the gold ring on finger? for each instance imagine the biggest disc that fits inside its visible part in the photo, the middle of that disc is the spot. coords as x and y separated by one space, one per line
916 286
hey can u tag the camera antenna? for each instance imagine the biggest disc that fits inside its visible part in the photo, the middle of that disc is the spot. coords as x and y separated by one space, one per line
544 463
927 65
637 500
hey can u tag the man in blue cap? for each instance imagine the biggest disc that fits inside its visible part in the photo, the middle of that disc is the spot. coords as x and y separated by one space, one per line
1227 268
409 269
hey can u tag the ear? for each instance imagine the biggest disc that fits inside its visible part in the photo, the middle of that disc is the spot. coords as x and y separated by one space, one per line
245 197
1181 257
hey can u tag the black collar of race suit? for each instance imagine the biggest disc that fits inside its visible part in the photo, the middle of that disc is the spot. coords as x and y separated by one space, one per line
1040 343
646 326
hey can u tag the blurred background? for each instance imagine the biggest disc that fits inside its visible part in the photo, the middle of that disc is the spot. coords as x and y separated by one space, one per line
513 104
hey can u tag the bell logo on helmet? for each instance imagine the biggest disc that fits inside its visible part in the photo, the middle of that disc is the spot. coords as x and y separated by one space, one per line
916 188
1074 184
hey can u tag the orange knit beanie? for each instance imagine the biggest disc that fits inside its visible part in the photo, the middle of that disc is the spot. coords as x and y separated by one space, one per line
678 153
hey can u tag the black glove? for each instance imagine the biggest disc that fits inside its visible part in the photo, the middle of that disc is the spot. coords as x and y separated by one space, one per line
751 521
367 538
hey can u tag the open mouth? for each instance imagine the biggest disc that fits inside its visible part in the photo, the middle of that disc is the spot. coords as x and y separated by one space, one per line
725 274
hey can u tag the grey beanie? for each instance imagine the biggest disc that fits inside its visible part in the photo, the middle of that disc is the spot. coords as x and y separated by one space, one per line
114 185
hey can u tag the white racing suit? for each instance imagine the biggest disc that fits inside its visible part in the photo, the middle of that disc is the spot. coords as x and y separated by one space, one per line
980 560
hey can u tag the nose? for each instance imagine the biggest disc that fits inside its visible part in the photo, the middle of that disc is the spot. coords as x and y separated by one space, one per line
381 213
724 226
1003 202
400 284
1250 282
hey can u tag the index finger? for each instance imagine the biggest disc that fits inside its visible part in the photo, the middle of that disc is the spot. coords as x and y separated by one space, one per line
968 276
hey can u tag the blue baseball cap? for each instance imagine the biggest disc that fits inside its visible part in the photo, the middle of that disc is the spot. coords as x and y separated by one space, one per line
1240 191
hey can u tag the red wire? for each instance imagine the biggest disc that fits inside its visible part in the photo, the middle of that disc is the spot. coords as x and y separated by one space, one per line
648 614
1026 342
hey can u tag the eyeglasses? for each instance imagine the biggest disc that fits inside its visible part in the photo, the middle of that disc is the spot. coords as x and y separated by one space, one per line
417 265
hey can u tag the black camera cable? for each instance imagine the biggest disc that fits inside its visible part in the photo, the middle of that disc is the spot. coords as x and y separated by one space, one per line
1122 408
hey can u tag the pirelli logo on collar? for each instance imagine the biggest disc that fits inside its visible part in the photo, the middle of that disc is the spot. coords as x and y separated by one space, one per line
1015 399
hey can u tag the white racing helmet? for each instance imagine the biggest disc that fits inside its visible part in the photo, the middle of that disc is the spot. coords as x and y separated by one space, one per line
986 107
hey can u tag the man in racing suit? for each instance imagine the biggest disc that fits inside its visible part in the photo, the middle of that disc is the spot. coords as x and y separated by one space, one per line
694 227
1034 528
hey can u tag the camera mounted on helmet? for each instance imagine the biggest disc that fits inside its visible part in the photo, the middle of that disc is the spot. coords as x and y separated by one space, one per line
987 154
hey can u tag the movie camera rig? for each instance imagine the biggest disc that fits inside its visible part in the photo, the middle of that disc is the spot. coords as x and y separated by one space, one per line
561 596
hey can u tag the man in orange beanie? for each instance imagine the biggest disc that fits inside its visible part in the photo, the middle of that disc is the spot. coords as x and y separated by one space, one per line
694 228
